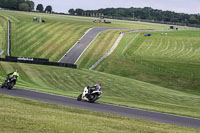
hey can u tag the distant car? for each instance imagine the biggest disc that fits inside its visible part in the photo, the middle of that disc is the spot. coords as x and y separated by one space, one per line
147 35
107 22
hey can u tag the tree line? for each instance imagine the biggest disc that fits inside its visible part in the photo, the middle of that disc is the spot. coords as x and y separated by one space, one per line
40 8
23 5
146 13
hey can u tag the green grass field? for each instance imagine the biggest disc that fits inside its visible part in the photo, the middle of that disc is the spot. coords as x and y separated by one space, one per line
21 116
168 65
116 90
170 60
54 37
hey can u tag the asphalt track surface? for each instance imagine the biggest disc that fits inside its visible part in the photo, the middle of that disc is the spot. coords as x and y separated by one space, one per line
79 47
107 108
73 54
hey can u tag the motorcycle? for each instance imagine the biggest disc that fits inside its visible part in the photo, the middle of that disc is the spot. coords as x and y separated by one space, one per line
9 82
90 97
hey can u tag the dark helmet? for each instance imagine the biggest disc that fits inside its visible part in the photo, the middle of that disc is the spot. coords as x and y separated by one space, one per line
99 84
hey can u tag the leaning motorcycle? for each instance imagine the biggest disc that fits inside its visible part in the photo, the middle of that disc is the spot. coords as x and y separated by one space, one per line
9 82
90 97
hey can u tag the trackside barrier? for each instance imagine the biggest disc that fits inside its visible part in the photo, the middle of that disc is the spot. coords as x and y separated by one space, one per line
39 61
13 58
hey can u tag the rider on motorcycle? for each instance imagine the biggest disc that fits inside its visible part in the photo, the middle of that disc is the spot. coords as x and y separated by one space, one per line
12 74
94 87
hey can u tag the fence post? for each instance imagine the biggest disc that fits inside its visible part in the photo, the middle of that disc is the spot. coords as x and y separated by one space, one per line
1 53
9 38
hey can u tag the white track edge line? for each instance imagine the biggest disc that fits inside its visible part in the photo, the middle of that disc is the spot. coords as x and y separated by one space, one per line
91 43
75 44
87 47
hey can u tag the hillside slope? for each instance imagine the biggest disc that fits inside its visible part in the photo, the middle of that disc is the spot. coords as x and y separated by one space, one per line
57 35
116 90
169 59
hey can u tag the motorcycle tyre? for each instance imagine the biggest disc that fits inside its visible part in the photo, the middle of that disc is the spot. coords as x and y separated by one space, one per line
79 98
93 99
11 85
3 85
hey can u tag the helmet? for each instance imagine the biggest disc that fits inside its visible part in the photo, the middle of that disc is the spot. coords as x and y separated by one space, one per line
99 84
16 70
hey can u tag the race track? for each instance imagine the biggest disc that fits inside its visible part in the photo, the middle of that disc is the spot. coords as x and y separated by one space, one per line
78 49
73 54
107 108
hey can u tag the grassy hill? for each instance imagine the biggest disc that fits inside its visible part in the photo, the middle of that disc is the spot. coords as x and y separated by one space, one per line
117 90
57 35
19 115
142 60
170 60
170 63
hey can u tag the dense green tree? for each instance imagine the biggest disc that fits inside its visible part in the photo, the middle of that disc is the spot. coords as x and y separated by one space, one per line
71 11
79 11
193 20
146 14
12 4
24 7
2 3
31 5
16 4
40 8
20 1
120 12
48 9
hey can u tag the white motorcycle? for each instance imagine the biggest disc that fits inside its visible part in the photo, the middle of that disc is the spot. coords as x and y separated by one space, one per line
90 97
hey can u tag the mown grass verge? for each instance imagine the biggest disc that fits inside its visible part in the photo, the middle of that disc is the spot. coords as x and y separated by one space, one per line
170 60
116 90
18 115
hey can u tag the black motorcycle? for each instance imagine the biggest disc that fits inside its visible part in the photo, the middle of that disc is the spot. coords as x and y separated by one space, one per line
9 82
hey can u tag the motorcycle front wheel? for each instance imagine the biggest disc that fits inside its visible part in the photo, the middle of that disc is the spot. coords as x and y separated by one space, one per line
10 85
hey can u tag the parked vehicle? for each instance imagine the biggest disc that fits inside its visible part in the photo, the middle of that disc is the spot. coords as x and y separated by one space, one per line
147 35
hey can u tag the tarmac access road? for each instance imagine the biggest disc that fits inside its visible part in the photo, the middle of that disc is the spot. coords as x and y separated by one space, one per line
80 46
107 108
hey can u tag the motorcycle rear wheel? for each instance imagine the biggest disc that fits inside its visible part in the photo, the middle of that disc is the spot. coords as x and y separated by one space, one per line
79 98
10 86
93 99
3 85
